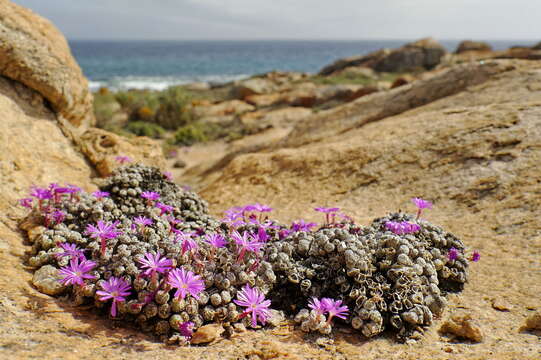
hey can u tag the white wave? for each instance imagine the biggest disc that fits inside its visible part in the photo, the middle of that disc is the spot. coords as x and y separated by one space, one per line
158 82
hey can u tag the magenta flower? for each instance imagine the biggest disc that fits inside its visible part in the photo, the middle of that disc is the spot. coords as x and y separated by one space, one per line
216 240
26 202
258 207
123 159
103 231
54 218
168 175
116 289
150 196
421 204
70 250
284 233
301 225
186 329
164 208
334 308
189 244
186 282
317 305
329 213
254 302
143 221
452 254
261 236
403 227
76 272
475 257
100 194
153 264
244 244
41 193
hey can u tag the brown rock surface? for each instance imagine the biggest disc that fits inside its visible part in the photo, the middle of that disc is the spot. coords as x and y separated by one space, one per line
35 53
463 326
421 54
469 45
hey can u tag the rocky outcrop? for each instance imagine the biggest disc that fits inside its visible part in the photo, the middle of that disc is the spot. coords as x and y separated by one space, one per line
34 53
380 105
469 45
422 54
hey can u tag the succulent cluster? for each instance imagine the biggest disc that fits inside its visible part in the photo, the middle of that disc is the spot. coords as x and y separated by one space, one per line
147 252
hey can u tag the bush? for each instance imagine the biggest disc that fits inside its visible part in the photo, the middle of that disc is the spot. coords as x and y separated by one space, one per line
141 128
173 110
190 134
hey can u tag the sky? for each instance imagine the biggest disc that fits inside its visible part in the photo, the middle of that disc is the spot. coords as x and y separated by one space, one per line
292 19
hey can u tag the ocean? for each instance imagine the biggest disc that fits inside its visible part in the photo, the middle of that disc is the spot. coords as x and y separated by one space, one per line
159 64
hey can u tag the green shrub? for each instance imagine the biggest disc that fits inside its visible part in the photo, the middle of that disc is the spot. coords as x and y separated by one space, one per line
174 110
142 128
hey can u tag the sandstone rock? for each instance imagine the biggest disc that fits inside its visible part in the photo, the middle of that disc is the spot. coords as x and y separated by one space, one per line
500 304
533 322
207 333
101 147
264 99
179 164
463 326
402 80
232 107
252 86
381 105
33 52
46 278
421 54
468 45
359 71
35 232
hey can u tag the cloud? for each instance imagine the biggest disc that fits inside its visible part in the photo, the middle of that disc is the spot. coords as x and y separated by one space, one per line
291 19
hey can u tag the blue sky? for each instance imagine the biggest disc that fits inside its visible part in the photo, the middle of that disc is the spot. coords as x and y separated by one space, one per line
292 19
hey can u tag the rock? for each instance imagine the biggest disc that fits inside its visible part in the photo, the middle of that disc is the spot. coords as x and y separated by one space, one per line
359 71
179 164
264 99
276 318
252 86
35 232
463 326
537 46
421 54
102 147
34 53
231 107
402 80
46 278
468 45
207 333
396 101
533 322
500 304
197 86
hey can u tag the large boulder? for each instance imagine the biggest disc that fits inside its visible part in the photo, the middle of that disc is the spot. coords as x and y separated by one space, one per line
421 54
469 45
34 53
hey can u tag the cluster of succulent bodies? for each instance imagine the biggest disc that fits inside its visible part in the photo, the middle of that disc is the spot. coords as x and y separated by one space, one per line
146 251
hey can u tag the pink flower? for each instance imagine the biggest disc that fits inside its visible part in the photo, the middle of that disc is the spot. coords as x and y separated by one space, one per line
186 282
255 303
186 329
475 256
123 159
168 175
403 227
153 264
76 272
164 208
150 196
216 240
244 244
329 213
334 308
70 250
41 193
189 244
143 221
301 225
26 202
103 231
421 204
100 194
116 289
317 305
452 254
